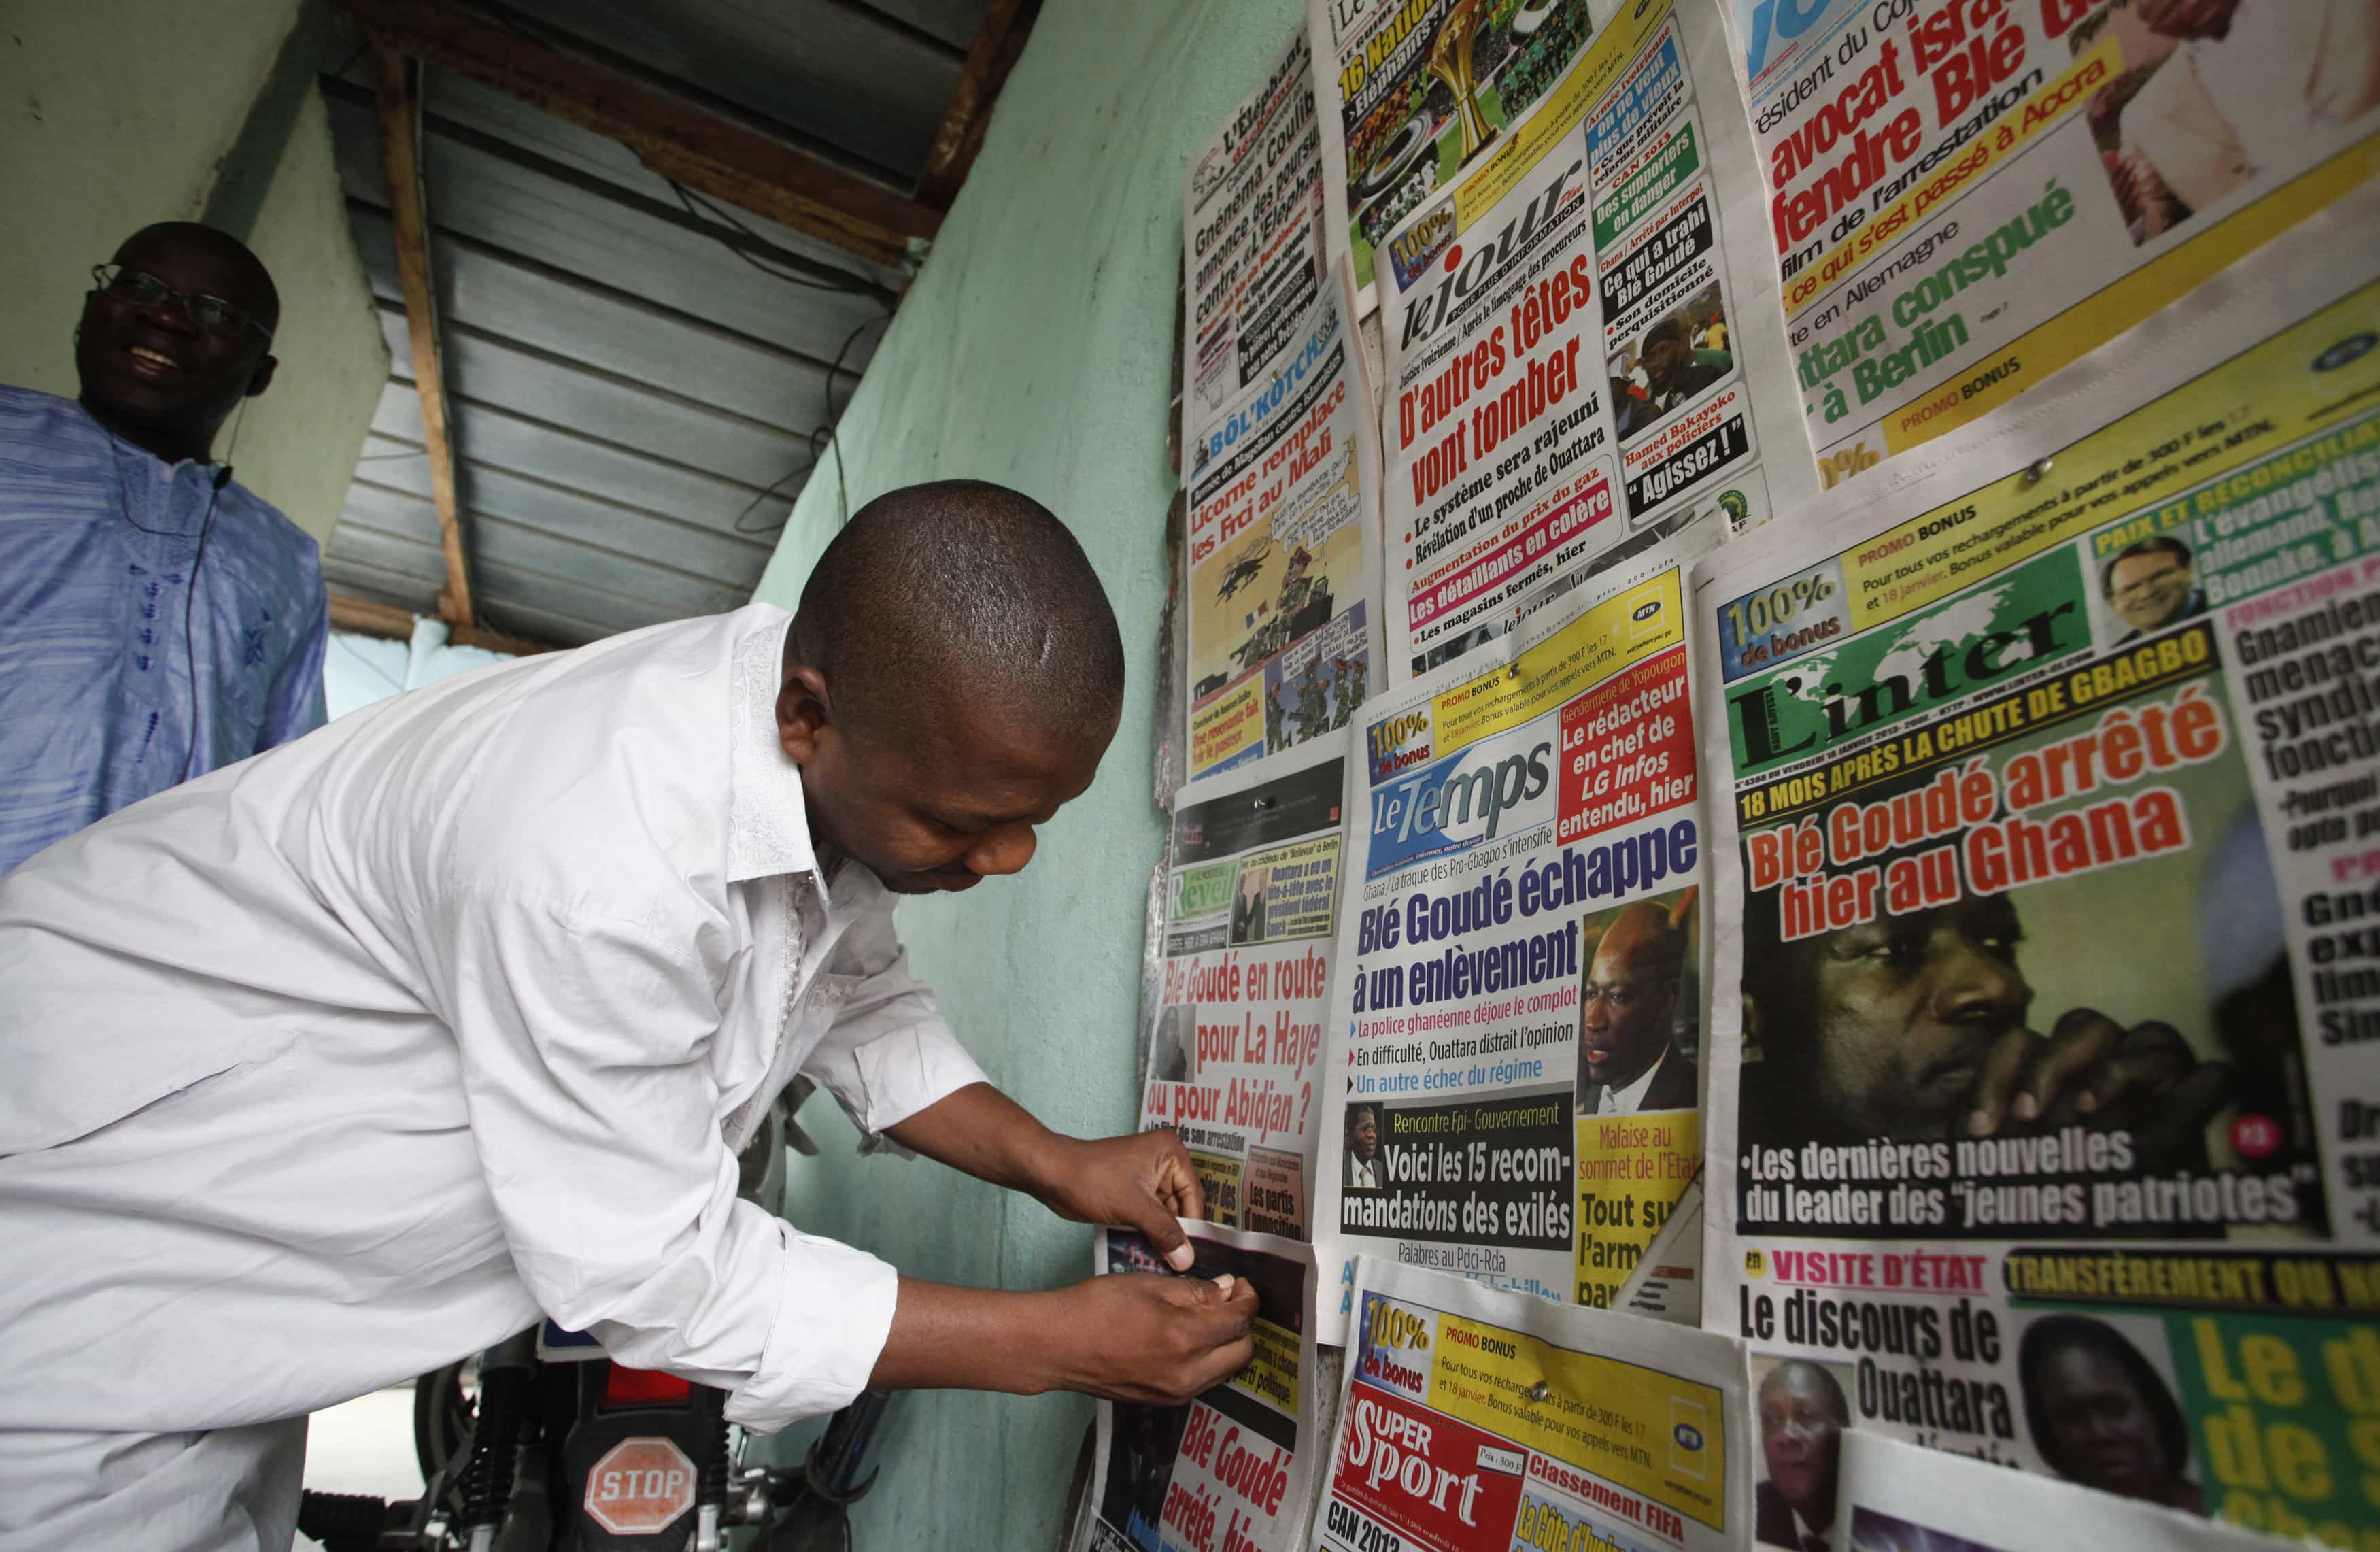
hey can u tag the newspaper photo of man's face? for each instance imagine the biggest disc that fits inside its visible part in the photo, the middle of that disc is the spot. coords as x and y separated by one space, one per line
1802 1412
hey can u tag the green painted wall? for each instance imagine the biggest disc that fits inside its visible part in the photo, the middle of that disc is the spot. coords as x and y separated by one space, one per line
1034 350
118 113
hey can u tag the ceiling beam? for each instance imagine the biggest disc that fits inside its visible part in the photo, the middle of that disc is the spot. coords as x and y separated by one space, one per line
363 616
399 106
705 151
998 43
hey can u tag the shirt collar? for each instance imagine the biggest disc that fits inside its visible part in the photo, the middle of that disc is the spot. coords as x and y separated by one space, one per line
1629 1099
768 829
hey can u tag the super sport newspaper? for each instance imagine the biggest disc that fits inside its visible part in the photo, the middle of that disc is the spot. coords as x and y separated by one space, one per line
1281 555
1470 1420
1235 1064
1966 195
2045 1045
1582 357
1511 1056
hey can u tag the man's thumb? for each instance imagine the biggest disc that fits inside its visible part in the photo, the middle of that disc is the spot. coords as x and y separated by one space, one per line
1165 1233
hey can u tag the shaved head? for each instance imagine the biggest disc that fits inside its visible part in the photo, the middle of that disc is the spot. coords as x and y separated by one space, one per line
963 592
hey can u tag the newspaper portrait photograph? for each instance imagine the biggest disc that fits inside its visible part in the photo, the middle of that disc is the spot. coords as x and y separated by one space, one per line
1472 1421
1228 1470
2042 1023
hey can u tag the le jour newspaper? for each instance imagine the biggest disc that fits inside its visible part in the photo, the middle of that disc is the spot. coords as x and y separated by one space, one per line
2045 1046
1619 223
1282 548
1967 195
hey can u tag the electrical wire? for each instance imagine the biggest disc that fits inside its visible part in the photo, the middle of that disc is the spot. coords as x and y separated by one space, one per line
827 431
850 286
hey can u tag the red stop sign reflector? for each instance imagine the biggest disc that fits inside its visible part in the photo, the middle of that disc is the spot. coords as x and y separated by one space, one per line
640 1486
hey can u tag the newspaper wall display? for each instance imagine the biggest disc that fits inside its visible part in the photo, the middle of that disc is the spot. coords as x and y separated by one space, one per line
1250 930
1281 557
1514 1027
1898 1497
1967 196
1472 1421
1230 1471
1416 91
1622 222
2046 1026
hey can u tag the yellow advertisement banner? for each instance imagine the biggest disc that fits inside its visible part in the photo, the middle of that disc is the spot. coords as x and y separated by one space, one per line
1610 637
1632 1170
1647 1431
2272 394
1271 1374
2105 313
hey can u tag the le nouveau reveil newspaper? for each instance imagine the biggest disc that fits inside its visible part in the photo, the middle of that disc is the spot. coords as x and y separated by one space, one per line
1967 195
1281 546
1235 1060
1581 355
2045 792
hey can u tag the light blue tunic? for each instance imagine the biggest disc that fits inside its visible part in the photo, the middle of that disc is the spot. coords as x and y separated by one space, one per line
103 699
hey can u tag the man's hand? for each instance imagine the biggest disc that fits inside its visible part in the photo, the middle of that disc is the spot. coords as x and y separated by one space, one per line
1138 1337
2147 1078
1130 1337
1142 1182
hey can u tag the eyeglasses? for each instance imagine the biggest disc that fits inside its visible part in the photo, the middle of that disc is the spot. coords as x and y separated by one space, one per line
141 289
2140 587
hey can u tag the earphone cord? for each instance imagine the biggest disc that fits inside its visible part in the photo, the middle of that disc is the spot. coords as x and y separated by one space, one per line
190 598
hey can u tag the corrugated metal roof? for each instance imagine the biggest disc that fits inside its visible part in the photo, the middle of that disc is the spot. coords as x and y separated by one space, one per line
624 387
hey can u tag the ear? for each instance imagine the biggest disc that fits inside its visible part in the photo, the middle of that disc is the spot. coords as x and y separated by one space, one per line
262 377
804 713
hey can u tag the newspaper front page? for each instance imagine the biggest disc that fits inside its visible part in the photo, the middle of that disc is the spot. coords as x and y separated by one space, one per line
1514 1032
2045 1028
1899 1498
1413 92
1620 224
1472 1420
1969 194
1280 554
1234 1063
1229 1471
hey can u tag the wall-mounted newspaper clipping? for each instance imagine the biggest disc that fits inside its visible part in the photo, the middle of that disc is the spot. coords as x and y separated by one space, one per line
1282 557
1898 1497
1472 1421
1235 1048
1621 224
2046 1026
1228 1472
1969 194
1414 92
1515 1025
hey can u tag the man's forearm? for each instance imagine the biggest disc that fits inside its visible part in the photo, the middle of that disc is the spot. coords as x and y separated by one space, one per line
964 1339
983 1133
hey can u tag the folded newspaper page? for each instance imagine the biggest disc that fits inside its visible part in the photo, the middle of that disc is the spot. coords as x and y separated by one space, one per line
1230 1471
1898 1497
1473 1420
1234 1063
1969 194
1622 222
1281 554
1515 1030
2045 1021
1413 92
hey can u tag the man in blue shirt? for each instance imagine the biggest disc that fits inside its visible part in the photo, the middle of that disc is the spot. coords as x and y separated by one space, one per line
156 620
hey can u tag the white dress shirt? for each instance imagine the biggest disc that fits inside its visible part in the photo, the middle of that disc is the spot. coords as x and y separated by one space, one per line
351 1059
1629 1099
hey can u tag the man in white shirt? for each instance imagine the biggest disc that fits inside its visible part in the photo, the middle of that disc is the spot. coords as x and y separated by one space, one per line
342 1062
